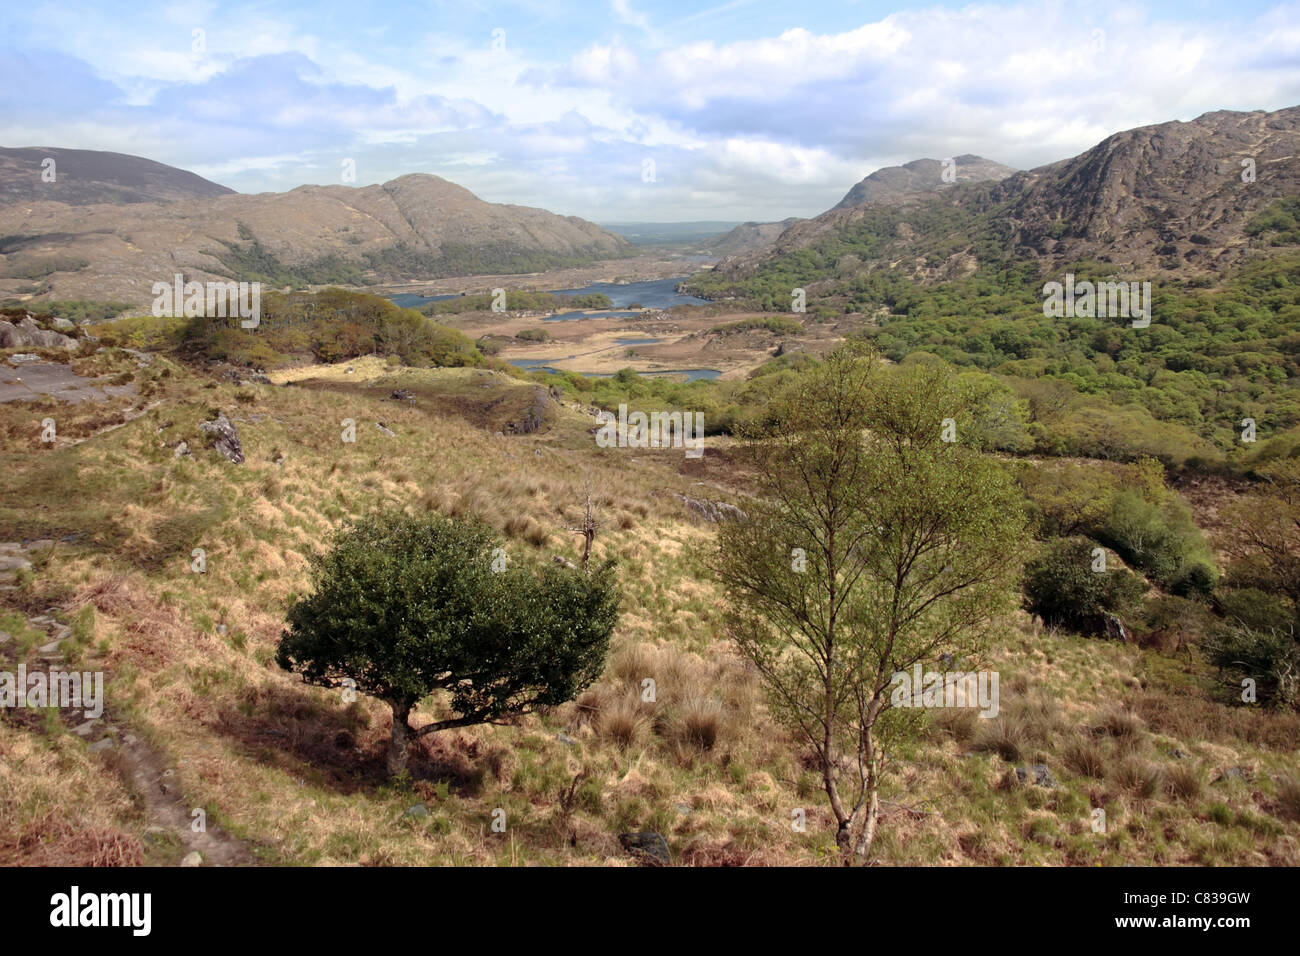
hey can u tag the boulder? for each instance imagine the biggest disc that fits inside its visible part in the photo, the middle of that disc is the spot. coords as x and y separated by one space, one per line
225 439
27 334
712 511
650 848
1042 777
1114 628
536 416
63 325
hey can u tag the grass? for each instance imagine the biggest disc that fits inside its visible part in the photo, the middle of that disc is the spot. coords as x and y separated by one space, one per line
296 771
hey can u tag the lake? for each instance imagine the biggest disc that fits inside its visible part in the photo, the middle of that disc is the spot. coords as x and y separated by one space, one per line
652 294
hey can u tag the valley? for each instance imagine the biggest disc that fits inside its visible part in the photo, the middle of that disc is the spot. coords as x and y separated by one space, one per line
1106 516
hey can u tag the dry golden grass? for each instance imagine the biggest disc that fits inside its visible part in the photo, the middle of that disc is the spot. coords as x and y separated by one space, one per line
296 772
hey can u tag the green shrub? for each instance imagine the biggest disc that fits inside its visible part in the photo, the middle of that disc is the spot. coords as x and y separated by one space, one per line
406 607
1061 587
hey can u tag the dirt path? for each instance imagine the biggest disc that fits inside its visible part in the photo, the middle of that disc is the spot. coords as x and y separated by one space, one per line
169 822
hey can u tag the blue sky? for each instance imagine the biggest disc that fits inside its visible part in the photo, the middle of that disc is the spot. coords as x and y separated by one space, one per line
747 109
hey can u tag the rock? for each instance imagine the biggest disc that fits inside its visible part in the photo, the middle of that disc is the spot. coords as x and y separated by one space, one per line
682 807
536 416
712 511
260 380
565 739
181 451
63 325
1042 776
649 847
224 438
418 812
27 334
386 430
193 858
84 728
51 649
41 544
19 358
349 370
5 638
559 559
1113 628
99 746
11 562
402 395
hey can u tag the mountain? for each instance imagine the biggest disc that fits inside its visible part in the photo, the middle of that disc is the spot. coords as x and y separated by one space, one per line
665 233
85 176
415 227
751 237
1167 197
890 184
897 183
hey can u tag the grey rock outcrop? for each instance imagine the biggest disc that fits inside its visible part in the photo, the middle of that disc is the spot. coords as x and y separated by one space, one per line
225 439
712 511
28 335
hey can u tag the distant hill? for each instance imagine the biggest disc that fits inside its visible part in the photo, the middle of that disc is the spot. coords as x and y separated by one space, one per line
414 227
751 237
663 233
85 176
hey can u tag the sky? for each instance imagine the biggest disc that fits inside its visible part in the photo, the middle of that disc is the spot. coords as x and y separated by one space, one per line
624 110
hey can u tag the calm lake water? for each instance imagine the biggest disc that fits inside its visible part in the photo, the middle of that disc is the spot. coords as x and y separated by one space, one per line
653 294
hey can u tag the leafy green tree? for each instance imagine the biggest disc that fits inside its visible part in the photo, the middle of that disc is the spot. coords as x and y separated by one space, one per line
406 607
870 545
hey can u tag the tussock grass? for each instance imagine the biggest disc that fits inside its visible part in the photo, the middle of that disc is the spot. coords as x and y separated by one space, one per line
297 772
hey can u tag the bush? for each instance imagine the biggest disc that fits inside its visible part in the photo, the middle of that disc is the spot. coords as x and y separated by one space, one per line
405 607
1161 539
1061 587
1270 657
1195 581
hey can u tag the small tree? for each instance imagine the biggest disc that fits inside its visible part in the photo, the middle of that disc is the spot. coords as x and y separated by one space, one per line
409 606
871 545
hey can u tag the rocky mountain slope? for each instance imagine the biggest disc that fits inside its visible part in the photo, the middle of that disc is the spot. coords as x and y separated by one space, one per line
889 185
416 226
1176 196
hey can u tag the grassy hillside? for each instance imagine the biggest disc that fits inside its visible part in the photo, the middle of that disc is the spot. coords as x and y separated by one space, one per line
294 774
